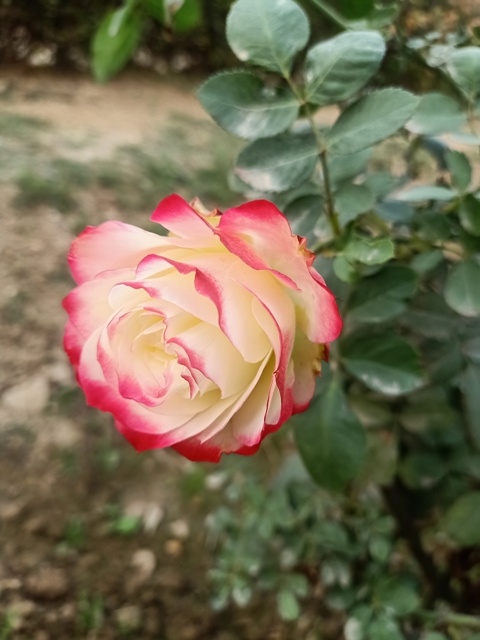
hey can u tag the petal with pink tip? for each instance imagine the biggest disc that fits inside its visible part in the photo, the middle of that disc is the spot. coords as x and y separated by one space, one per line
110 246
176 215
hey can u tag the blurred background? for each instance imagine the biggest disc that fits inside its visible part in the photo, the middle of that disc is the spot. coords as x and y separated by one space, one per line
97 541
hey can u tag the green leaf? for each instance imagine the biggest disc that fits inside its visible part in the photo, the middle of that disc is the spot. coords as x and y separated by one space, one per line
371 119
465 138
382 17
373 414
287 605
354 9
377 19
338 68
436 113
165 11
380 548
341 168
357 623
464 67
422 470
297 583
429 410
383 362
240 103
330 439
369 251
115 42
462 290
469 212
394 211
460 170
382 297
351 200
427 192
381 183
422 263
268 34
430 316
186 17
444 359
462 520
156 9
304 214
344 270
277 164
433 227
399 595
380 464
471 348
471 392
384 628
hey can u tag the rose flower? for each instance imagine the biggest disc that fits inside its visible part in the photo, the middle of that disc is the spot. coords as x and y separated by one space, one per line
204 340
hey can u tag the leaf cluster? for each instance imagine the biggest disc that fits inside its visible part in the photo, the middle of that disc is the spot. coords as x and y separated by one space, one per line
398 408
345 548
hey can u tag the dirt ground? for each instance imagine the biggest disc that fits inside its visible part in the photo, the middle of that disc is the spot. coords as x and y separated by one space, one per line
96 541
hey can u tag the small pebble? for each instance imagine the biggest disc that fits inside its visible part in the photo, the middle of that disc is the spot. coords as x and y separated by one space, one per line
174 548
180 529
47 584
27 398
129 618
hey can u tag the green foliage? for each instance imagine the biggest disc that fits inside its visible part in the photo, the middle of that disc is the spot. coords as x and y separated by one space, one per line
74 536
462 289
370 120
90 612
337 69
277 164
115 41
437 113
398 412
462 520
120 523
36 189
267 34
119 33
330 438
464 67
383 362
258 546
244 106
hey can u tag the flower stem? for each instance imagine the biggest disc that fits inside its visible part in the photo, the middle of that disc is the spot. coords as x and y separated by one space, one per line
322 154
330 207
452 619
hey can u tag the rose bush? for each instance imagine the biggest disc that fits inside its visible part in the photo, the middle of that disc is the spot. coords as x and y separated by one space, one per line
204 340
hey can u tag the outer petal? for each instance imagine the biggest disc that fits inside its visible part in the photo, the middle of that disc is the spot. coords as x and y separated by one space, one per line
176 215
260 235
112 245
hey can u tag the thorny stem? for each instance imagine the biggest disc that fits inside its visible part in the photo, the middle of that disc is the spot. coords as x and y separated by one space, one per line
332 216
322 154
